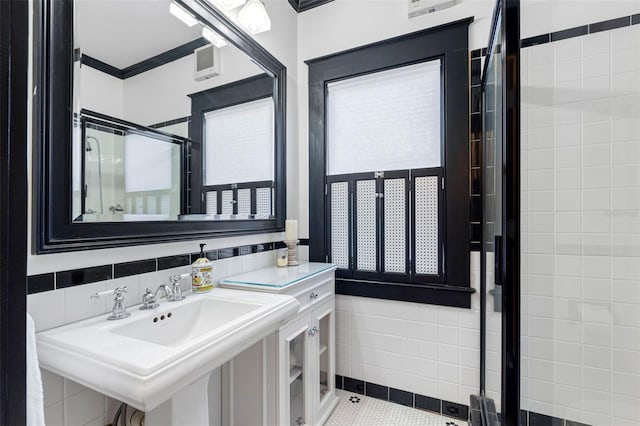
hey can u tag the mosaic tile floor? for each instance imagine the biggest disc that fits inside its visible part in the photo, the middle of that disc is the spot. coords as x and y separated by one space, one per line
354 409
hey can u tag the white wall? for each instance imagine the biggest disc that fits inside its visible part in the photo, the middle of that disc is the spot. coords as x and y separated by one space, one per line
581 228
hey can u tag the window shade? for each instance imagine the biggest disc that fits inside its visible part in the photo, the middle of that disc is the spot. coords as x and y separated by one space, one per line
389 120
239 143
148 163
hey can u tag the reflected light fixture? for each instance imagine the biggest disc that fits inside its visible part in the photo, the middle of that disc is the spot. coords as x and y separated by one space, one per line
213 37
182 14
230 4
254 18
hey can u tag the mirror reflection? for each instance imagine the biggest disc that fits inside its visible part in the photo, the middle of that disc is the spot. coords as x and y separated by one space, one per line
172 122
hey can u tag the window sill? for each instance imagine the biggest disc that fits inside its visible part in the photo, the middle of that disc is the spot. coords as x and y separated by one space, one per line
454 296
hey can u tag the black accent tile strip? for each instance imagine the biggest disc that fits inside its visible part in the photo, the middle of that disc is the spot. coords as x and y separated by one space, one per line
476 53
209 254
532 41
635 19
572 423
279 245
484 51
40 283
304 242
524 415
244 250
226 253
126 269
570 33
401 397
427 403
537 419
338 382
611 24
169 262
353 385
455 410
75 277
171 122
376 391
476 72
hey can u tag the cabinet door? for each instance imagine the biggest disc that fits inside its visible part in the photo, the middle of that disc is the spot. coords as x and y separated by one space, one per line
323 350
294 402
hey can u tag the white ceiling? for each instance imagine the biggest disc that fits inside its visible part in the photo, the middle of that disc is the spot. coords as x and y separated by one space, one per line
125 32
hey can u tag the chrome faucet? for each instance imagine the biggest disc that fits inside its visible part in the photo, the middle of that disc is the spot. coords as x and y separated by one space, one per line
168 292
119 310
176 288
150 299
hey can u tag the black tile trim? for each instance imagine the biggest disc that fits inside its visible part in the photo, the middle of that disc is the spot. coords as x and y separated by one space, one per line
169 262
533 41
353 385
304 242
427 403
136 267
62 279
401 397
537 419
635 19
476 53
611 24
40 283
455 410
75 277
338 382
376 391
570 33
171 122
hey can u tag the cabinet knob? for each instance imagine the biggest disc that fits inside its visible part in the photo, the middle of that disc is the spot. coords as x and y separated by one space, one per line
313 295
313 331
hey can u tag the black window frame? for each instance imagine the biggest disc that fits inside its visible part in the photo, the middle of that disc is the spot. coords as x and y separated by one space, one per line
449 43
239 92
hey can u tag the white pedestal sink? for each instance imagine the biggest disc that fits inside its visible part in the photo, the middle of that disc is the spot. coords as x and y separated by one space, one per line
159 361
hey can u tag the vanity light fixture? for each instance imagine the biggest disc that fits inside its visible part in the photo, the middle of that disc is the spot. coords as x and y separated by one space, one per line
182 14
254 18
213 37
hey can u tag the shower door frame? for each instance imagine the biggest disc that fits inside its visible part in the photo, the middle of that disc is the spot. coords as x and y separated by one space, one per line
508 264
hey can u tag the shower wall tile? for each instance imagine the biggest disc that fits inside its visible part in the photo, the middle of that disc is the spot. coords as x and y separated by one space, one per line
581 242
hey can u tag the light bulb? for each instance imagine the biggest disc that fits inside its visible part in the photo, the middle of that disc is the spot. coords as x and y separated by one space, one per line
254 18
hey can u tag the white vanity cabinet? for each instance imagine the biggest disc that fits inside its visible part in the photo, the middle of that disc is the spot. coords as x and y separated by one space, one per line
304 350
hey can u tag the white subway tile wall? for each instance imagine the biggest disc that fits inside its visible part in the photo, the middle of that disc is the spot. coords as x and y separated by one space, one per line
67 403
581 228
425 349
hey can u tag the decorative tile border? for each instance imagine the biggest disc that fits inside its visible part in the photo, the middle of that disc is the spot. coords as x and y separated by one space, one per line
596 27
73 277
439 406
409 399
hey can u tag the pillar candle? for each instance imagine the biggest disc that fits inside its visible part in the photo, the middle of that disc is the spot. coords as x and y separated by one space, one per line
291 230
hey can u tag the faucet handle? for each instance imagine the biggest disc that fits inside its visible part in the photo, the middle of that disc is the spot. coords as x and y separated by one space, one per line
119 310
148 299
176 287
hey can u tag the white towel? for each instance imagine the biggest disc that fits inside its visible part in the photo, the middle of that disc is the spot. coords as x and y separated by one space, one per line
35 398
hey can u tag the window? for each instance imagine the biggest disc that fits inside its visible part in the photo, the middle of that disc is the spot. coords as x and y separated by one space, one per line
389 166
232 163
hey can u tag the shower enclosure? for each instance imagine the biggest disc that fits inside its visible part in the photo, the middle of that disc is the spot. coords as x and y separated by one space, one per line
561 227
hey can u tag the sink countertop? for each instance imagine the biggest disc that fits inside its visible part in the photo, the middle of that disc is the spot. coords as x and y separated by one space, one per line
276 279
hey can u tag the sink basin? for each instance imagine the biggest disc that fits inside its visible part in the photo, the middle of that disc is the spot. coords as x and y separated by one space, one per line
146 359
188 322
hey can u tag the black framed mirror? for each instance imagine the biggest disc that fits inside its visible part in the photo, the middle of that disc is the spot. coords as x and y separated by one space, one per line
112 171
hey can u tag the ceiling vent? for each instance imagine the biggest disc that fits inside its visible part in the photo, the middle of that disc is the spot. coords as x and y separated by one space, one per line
206 62
422 7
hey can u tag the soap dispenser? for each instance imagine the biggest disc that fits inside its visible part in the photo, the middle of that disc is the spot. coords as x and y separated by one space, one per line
202 273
